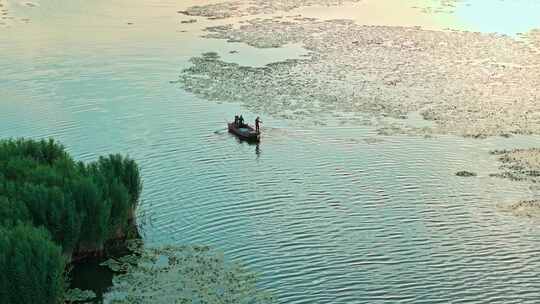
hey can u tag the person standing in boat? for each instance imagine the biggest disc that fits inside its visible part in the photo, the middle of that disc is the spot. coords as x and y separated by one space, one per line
258 121
236 120
241 121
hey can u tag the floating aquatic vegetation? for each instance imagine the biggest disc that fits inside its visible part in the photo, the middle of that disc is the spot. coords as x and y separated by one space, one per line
78 295
465 174
115 265
389 129
520 164
524 208
230 9
215 11
188 21
468 84
373 140
439 7
533 37
182 274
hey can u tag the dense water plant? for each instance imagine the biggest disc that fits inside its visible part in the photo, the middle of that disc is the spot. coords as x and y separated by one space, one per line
31 266
52 207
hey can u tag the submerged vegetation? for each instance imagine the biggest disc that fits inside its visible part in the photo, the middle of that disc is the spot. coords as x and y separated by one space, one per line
53 208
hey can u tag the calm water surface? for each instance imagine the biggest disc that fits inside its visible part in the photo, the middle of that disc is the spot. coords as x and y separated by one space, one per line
324 214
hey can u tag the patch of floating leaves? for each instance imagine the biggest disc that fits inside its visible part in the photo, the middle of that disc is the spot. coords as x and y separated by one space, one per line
524 208
533 37
519 164
440 7
182 274
468 84
78 295
465 174
243 8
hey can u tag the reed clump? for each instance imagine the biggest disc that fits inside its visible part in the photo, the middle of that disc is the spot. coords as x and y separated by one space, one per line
53 209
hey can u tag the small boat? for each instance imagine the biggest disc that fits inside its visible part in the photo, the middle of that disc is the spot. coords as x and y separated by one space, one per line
245 132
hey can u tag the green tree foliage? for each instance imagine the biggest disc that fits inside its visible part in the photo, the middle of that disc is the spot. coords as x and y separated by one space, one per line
47 196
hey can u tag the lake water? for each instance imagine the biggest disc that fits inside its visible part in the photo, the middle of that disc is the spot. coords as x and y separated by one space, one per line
325 214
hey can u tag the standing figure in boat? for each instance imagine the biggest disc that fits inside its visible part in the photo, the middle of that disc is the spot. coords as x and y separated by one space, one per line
236 118
258 121
241 121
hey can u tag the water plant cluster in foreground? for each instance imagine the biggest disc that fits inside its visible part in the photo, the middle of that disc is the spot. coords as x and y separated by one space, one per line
181 274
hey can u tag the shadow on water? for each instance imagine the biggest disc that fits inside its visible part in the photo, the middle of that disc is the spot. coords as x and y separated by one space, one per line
89 275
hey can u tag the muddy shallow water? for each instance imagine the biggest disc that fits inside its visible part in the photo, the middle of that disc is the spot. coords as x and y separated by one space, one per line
325 208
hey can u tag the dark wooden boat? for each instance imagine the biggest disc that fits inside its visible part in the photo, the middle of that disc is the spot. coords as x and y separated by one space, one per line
245 132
